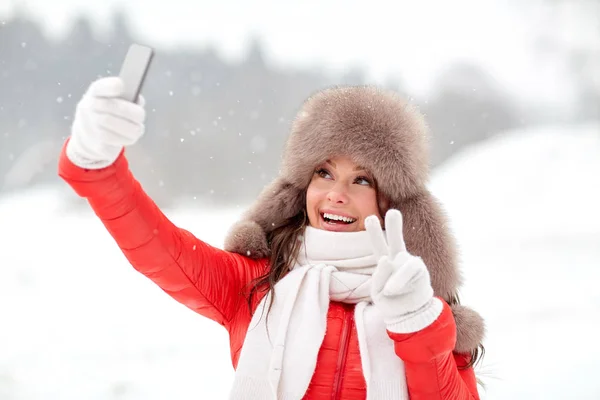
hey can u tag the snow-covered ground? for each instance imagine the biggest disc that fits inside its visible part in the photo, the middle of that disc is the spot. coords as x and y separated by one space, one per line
77 322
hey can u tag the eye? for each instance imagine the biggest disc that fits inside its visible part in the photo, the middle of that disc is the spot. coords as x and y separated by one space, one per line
323 173
363 180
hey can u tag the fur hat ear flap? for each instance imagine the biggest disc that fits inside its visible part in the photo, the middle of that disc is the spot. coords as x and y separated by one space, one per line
247 238
427 236
470 328
278 202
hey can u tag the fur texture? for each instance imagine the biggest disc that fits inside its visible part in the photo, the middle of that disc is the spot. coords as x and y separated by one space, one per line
277 202
470 328
387 136
377 129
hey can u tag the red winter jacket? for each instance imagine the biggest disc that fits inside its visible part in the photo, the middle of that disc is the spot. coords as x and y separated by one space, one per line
210 281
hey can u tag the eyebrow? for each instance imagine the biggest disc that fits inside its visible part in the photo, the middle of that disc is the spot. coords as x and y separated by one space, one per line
358 168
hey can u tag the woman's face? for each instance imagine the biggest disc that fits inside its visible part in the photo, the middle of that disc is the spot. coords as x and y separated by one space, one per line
340 196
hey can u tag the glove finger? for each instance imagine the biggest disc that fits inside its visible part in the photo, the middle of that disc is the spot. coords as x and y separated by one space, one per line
393 229
120 108
404 277
118 131
382 273
88 146
111 86
141 101
376 237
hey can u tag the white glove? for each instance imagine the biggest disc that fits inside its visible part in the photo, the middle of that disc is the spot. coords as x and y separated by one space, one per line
400 286
103 124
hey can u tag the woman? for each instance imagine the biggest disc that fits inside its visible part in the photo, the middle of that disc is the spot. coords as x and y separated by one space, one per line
319 303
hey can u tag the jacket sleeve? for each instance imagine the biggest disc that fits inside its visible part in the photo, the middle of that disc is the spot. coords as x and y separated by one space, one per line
204 278
432 369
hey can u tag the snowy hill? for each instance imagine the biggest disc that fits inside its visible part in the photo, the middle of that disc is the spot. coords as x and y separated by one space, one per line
77 322
526 183
524 207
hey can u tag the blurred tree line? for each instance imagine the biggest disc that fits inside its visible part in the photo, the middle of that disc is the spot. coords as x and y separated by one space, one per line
215 129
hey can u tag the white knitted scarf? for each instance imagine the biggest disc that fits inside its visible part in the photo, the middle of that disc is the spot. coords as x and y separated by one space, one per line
279 363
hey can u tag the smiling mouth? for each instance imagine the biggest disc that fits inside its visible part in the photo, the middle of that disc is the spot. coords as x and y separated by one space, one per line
334 219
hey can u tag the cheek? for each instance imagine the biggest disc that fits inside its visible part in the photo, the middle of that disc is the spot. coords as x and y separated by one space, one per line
310 200
313 198
367 204
316 192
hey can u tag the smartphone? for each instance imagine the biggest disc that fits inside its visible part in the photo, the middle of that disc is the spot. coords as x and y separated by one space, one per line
134 70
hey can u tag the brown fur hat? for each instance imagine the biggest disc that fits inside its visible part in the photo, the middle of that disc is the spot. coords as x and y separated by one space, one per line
388 137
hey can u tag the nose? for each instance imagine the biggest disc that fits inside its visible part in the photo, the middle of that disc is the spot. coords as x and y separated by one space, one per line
338 195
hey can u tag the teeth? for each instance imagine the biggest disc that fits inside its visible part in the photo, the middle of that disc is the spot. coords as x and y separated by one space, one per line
338 217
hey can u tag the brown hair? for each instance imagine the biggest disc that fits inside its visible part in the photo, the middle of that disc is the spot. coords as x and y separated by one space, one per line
284 246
